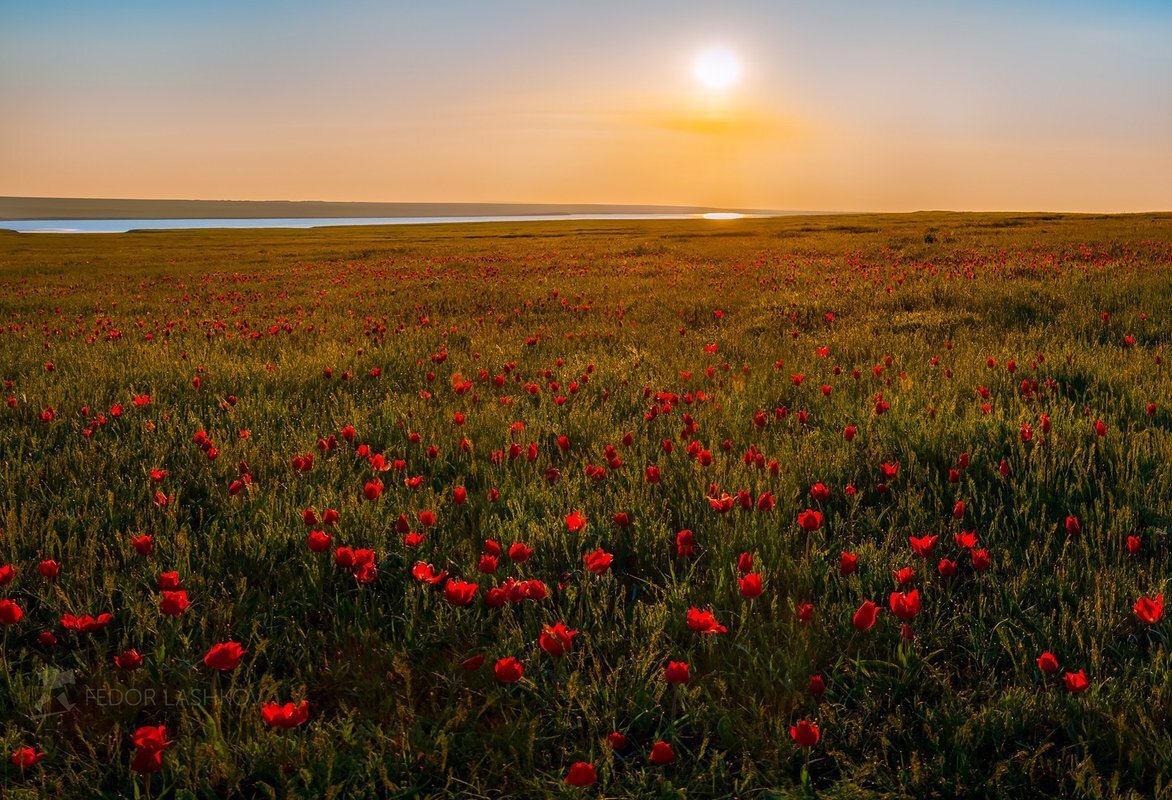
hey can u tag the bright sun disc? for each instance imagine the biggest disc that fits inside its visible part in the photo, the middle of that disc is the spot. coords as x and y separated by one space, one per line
716 68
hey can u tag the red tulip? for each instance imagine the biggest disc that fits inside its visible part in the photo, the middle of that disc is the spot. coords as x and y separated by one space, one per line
557 640
751 585
906 606
598 562
174 604
1149 609
128 660
1048 663
10 612
704 622
864 619
661 753
508 670
224 656
460 593
677 672
575 521
810 520
285 716
26 757
581 774
804 734
1075 682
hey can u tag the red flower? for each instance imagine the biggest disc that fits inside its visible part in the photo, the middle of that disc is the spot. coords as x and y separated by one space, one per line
224 656
1076 682
557 640
677 672
981 561
661 753
751 585
848 563
810 520
906 606
128 660
85 624
804 734
460 593
575 521
946 568
1073 526
26 757
581 774
923 545
508 670
168 581
1149 609
318 541
49 568
817 685
10 612
864 618
1048 663
149 743
372 489
704 622
285 716
174 604
598 562
616 741
520 553
143 545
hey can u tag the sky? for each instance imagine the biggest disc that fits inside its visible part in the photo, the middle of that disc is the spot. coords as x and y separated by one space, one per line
840 105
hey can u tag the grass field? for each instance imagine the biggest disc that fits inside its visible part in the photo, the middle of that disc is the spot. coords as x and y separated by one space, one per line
452 392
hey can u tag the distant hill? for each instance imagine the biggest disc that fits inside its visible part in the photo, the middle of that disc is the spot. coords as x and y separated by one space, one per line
27 208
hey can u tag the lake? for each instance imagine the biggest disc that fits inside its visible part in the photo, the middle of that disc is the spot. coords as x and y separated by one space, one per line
124 225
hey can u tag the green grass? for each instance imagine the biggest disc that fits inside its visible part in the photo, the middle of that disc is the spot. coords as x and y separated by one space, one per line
962 710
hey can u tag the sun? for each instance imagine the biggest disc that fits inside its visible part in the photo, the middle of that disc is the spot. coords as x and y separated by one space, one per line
716 68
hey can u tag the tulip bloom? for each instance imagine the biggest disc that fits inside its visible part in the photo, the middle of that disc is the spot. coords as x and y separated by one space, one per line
174 604
677 672
224 656
804 734
508 670
848 563
1149 609
661 753
751 585
581 774
557 640
864 618
810 520
1048 663
1076 682
598 562
10 612
128 660
285 716
149 743
704 622
26 757
905 606
460 593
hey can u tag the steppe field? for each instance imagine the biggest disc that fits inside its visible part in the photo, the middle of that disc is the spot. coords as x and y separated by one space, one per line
846 506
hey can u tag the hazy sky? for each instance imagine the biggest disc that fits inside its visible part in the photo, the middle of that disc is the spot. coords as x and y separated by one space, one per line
841 105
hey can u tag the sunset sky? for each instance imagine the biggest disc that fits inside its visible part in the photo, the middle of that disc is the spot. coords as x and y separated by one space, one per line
838 105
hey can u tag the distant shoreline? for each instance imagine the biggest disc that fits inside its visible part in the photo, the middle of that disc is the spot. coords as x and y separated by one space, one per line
67 208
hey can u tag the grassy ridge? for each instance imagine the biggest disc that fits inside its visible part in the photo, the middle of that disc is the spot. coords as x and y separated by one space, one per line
402 318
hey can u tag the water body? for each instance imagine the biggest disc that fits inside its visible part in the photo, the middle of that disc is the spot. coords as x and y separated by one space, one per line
124 225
